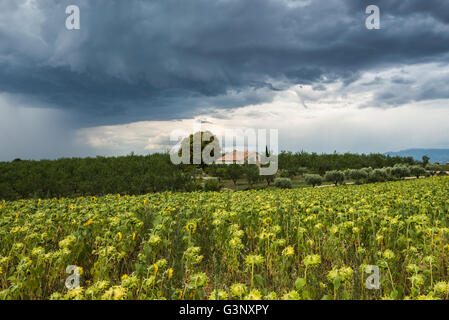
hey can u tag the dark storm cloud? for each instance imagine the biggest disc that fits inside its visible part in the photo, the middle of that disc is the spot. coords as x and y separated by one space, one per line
165 59
406 8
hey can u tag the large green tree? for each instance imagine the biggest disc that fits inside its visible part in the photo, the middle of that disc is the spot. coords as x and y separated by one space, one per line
199 145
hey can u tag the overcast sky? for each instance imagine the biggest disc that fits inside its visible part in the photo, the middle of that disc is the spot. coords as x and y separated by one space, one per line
137 70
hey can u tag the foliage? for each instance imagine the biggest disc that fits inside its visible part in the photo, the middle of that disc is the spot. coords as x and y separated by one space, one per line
93 176
379 175
234 172
301 171
425 160
417 171
212 185
338 177
284 183
220 172
433 168
357 175
320 163
313 179
155 173
209 144
284 173
252 174
400 171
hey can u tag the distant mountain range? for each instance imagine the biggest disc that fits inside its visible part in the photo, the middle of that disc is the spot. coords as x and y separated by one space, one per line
435 155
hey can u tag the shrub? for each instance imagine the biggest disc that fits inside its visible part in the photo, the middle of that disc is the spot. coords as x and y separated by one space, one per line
212 185
417 171
338 177
400 171
378 175
252 174
234 172
348 173
368 170
313 179
221 173
358 174
287 173
284 173
193 186
284 183
433 168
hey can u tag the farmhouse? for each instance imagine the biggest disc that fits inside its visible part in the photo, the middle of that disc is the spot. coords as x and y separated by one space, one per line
239 157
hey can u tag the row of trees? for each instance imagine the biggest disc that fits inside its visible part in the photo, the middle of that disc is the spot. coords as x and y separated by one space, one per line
154 173
93 176
366 175
313 176
321 163
235 172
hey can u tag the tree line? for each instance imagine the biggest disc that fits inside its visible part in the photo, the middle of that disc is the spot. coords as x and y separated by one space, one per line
133 174
367 175
321 163
72 177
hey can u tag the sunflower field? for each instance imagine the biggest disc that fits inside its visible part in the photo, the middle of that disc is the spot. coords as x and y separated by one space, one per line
268 244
